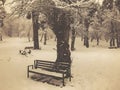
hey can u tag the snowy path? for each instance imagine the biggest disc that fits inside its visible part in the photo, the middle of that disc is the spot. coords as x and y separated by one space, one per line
92 69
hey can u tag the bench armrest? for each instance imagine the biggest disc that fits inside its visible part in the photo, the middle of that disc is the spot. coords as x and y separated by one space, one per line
30 66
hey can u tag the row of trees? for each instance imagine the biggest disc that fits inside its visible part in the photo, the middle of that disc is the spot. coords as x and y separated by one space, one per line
104 21
113 14
65 15
2 16
56 18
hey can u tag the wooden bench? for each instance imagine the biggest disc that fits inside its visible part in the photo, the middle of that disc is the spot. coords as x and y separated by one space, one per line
63 68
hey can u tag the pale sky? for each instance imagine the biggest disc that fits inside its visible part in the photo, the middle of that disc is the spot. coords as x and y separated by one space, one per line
100 1
7 7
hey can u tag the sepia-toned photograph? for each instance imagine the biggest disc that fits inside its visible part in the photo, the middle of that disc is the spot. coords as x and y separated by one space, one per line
59 44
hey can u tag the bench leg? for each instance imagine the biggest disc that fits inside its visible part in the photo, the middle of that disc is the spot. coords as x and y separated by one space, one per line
70 75
63 80
35 64
28 72
70 78
28 75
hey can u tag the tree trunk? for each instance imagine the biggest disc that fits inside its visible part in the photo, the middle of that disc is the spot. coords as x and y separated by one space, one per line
73 40
118 41
98 40
63 52
87 42
45 37
112 42
61 26
0 37
35 29
86 39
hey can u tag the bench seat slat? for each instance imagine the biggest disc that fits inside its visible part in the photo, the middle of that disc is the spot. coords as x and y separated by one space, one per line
45 65
52 67
53 70
44 61
50 62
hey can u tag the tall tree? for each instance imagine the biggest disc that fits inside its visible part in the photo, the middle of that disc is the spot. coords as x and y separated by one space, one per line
61 25
113 17
35 15
32 9
87 20
73 39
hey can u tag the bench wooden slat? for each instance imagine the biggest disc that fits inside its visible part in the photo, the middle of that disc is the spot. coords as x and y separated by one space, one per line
45 61
51 64
59 67
44 64
53 70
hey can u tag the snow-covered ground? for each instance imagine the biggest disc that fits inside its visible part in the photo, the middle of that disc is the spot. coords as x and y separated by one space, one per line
94 68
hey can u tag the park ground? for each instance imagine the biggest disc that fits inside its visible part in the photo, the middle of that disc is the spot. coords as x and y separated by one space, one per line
94 68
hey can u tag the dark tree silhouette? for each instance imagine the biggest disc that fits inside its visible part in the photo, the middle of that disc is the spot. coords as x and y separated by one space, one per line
87 20
86 38
61 26
116 33
35 15
73 39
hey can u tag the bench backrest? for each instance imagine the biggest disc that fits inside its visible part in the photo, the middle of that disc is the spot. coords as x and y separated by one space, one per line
51 65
